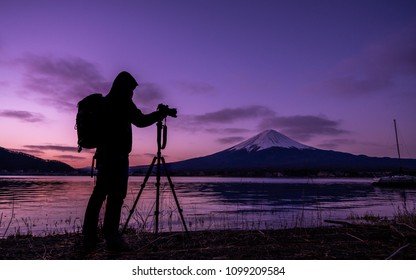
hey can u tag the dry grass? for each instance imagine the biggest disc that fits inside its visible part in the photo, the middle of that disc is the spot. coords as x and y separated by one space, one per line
359 238
349 241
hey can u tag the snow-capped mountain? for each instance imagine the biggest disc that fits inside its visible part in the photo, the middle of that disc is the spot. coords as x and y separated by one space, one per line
270 152
268 139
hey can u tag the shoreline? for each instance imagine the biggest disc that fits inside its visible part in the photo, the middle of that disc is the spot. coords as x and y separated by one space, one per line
344 241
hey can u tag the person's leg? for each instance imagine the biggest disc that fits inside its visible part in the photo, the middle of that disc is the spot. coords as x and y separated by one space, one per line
115 199
95 203
92 213
112 216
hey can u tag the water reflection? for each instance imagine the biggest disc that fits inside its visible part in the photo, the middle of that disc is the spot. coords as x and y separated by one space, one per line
45 205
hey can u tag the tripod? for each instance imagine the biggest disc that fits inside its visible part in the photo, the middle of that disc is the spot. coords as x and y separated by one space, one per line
158 159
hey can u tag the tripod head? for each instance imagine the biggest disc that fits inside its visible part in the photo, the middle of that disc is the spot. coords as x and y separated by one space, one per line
162 129
162 134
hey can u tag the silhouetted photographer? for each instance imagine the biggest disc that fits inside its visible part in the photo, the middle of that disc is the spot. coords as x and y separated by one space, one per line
114 146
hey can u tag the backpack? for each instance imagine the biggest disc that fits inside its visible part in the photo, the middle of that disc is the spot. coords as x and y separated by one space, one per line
89 121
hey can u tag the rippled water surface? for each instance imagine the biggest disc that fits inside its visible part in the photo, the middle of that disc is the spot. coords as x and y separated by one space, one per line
44 205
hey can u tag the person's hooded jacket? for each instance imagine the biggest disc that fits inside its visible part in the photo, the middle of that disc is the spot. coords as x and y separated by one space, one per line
120 113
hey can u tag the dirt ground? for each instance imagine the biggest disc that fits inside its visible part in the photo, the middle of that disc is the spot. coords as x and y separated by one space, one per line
339 241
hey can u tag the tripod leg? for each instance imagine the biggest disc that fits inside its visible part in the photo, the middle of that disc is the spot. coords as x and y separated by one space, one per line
149 171
172 187
158 172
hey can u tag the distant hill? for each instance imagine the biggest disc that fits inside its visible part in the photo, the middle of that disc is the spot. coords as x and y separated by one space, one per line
272 153
20 163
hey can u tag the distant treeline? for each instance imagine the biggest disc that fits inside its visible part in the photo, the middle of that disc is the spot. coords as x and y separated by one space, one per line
15 163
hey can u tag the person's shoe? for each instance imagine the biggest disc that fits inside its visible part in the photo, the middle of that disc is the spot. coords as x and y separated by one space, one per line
89 243
117 245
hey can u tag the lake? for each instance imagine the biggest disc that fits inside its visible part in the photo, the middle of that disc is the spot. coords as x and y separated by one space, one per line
47 205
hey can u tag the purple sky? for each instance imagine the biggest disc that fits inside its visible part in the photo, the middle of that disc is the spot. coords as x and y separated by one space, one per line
329 74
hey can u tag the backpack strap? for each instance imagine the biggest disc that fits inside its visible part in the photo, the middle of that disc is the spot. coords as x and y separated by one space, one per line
94 160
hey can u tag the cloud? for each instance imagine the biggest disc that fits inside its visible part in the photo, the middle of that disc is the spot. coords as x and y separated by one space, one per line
230 140
148 94
228 130
303 127
350 85
53 147
29 151
24 116
379 67
69 157
60 82
335 143
149 155
300 127
4 83
195 88
228 115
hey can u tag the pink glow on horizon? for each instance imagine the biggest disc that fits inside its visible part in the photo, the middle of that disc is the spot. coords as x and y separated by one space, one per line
331 75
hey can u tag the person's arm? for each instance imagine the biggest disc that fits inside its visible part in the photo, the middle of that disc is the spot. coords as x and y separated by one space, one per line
143 120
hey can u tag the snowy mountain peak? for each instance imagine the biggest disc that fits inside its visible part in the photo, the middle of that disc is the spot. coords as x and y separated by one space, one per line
269 139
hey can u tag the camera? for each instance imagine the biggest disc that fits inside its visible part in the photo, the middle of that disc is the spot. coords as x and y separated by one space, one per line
164 109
